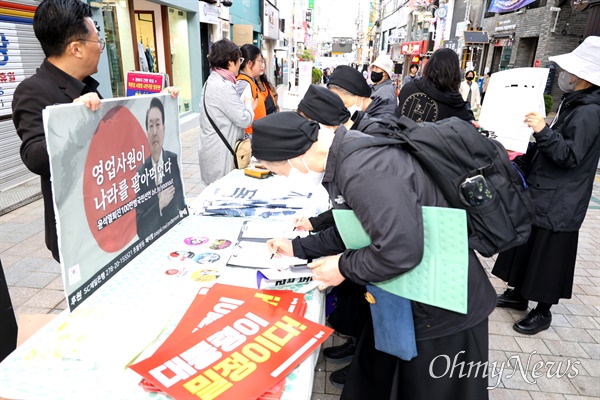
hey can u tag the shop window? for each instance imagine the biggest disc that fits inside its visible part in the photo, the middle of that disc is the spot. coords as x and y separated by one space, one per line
119 47
146 40
180 57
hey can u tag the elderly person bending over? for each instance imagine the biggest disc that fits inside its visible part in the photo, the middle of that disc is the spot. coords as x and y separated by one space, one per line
292 146
221 102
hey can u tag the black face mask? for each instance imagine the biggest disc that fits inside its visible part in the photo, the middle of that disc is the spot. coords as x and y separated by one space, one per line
376 76
469 78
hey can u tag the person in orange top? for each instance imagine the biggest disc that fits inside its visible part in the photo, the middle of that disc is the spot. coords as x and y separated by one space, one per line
250 71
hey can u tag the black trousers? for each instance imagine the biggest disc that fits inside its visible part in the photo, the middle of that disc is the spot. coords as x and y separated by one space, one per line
8 322
450 367
352 311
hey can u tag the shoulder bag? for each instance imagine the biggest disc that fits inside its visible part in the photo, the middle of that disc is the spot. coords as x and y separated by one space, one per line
241 152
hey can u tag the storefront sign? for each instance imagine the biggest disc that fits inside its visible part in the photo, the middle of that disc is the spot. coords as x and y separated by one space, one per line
505 28
451 44
126 160
271 22
503 42
477 37
209 13
242 34
144 83
414 48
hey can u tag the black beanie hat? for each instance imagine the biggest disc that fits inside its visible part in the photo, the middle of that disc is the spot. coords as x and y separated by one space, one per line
350 79
281 136
324 106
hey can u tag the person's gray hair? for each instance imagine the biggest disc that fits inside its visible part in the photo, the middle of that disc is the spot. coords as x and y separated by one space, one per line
340 89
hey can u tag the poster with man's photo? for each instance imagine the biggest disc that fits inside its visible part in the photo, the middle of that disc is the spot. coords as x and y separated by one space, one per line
117 184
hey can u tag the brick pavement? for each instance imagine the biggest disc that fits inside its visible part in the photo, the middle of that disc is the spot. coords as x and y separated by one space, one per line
35 284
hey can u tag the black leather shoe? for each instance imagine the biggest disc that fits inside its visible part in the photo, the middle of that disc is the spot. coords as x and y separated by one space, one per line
340 354
510 300
338 378
533 323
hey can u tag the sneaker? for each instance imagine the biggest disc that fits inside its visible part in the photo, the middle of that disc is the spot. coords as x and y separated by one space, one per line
340 354
509 299
534 322
338 378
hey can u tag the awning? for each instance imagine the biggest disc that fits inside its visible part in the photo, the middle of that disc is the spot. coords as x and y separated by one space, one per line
472 37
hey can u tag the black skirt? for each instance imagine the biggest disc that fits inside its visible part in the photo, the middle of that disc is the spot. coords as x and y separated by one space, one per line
542 269
440 371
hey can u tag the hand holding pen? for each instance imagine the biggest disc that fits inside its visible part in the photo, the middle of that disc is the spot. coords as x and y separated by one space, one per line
280 247
302 224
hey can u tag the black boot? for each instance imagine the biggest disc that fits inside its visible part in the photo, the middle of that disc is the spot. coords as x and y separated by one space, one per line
536 321
338 378
340 354
510 299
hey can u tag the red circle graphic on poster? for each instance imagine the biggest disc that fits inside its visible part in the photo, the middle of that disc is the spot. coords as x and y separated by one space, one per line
116 151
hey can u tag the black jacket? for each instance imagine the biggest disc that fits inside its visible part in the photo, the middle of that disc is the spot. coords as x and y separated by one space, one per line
385 90
377 120
420 101
47 87
386 188
561 165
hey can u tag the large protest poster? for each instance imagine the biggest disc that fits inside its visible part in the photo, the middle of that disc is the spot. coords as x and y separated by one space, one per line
117 184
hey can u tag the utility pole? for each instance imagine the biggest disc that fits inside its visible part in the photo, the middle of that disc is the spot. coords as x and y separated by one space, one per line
379 23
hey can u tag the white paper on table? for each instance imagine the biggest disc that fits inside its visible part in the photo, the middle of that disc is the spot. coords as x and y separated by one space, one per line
270 278
270 229
510 95
257 255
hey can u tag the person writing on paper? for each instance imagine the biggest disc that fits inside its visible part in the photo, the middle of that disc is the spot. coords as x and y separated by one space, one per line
161 169
231 114
560 168
72 48
385 188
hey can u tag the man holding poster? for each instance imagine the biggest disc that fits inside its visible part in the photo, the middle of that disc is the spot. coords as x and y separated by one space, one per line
72 48
159 175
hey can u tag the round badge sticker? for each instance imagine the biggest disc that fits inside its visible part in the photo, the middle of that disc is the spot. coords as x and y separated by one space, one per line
172 271
195 240
220 244
204 275
207 258
181 255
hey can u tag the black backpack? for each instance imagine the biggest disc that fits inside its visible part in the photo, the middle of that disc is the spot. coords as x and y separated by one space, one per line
473 172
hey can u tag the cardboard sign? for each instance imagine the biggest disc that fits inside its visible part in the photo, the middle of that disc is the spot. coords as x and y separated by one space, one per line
241 355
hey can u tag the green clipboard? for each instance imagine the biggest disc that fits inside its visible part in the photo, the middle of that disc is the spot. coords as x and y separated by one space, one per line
441 278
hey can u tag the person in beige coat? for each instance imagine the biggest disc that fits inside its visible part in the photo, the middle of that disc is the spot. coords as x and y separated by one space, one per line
469 91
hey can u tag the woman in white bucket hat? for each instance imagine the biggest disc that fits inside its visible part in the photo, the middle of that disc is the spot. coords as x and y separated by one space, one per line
559 168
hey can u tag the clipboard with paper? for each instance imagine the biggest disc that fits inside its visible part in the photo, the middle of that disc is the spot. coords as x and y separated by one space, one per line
441 277
251 250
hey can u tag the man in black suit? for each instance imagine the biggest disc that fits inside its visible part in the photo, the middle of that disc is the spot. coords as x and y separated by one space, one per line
159 174
72 47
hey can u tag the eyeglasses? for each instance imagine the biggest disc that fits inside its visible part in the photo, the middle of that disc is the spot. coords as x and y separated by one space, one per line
261 60
101 41
242 60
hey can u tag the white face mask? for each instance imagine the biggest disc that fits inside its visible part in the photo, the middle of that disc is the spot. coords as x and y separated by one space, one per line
308 180
564 82
355 107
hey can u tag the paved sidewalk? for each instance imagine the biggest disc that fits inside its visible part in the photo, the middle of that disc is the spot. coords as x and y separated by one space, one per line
35 284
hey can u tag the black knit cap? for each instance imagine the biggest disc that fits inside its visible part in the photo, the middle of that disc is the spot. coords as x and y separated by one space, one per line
281 136
324 106
350 79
